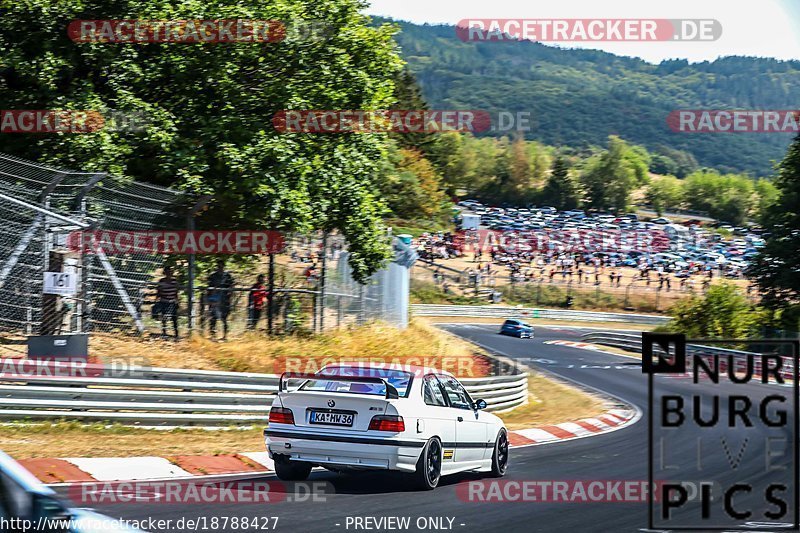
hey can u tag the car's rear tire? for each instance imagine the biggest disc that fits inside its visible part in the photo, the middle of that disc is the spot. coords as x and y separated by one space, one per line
500 454
287 470
429 466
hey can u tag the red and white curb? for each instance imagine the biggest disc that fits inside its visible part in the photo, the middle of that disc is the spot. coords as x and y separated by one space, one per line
575 344
611 420
60 471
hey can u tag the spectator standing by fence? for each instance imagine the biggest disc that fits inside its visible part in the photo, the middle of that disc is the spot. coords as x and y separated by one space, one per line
220 285
167 301
256 300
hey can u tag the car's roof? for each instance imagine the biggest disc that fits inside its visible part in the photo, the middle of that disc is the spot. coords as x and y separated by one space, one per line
417 370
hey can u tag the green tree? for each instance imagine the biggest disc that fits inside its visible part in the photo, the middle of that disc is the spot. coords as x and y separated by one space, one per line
768 195
486 151
611 176
499 179
411 186
561 190
210 108
520 172
541 158
776 268
664 193
455 159
723 312
408 97
729 197
677 163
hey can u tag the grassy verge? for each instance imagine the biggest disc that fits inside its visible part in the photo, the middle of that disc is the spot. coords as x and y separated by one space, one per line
552 402
583 297
426 292
421 344
72 439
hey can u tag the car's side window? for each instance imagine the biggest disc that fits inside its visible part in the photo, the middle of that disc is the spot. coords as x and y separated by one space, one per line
432 392
456 394
17 501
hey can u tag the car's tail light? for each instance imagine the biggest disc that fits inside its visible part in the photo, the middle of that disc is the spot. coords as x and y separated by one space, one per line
391 423
281 415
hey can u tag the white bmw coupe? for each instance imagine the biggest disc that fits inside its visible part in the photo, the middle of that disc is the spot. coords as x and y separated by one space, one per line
414 420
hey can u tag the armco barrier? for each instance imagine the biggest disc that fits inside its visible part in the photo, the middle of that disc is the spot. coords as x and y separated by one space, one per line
491 311
176 397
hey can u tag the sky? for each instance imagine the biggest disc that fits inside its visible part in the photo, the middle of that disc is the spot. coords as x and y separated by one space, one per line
765 28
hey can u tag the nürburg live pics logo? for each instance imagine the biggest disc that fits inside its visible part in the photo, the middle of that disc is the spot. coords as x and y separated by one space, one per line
723 433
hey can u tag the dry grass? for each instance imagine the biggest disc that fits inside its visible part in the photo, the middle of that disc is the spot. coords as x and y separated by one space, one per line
420 344
552 402
71 439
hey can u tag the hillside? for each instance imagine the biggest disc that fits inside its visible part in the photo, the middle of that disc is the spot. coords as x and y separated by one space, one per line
579 97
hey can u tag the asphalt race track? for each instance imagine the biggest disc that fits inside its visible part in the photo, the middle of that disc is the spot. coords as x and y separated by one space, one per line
618 455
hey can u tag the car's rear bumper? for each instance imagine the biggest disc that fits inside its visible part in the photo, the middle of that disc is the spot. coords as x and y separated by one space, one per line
344 450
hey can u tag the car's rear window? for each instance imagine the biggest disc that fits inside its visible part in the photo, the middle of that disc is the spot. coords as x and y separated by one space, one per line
399 379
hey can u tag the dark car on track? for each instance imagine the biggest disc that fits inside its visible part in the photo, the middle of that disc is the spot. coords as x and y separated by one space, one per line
516 328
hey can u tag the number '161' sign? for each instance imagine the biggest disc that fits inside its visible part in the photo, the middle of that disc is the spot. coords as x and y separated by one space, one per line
61 283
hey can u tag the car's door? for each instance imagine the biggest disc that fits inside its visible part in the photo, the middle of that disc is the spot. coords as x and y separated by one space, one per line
439 419
509 326
471 428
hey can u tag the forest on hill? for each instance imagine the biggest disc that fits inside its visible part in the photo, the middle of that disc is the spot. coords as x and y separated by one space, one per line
579 97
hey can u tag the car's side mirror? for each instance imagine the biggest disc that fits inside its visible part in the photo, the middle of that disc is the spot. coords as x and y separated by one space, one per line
480 404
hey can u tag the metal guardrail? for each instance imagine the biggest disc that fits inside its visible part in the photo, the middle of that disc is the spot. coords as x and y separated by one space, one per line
176 397
631 342
624 341
491 311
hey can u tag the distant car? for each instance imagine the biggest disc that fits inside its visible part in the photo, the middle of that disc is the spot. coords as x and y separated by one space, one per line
517 328
24 498
348 417
661 220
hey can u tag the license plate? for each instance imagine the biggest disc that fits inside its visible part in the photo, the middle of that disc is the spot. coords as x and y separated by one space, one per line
333 419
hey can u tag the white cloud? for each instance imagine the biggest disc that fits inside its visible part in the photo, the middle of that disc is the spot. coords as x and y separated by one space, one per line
754 28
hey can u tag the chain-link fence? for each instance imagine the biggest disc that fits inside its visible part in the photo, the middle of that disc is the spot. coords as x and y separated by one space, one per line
311 293
306 287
